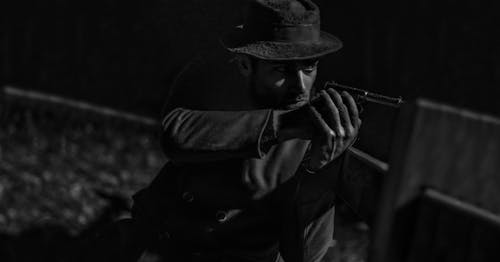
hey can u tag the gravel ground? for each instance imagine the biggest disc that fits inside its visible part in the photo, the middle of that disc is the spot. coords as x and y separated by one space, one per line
61 171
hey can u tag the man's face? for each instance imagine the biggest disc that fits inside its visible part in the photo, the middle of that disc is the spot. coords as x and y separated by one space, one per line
283 84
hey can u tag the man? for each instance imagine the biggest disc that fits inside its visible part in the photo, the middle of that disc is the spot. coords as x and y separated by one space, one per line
252 180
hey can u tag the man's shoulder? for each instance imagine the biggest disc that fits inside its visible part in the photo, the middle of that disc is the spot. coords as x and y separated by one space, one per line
209 81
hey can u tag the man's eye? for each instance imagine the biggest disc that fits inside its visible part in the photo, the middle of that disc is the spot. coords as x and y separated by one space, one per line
280 69
309 69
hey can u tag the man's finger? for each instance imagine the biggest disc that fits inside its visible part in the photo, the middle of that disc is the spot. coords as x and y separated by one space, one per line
331 113
320 123
353 109
344 114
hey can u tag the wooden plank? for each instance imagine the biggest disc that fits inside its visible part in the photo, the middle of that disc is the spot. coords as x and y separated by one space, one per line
453 151
484 216
49 99
451 234
456 152
425 232
445 231
380 249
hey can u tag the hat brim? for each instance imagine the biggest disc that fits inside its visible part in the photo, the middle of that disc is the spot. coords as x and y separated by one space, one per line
268 50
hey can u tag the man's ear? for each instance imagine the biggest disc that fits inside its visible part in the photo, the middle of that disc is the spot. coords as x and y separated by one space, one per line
244 63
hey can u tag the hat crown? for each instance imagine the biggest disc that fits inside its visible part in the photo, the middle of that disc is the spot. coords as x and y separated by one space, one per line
281 30
284 12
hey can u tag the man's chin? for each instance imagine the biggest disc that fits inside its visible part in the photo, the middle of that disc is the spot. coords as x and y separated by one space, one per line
294 105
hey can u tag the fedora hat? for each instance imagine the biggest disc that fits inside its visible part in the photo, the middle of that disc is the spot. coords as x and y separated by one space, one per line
281 30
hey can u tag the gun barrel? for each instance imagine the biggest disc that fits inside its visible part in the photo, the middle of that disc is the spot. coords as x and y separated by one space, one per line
361 94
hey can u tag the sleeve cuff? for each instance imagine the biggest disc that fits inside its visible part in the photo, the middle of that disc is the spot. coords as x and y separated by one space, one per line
268 135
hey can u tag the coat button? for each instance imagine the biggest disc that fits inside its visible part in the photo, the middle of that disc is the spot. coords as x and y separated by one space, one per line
188 196
221 216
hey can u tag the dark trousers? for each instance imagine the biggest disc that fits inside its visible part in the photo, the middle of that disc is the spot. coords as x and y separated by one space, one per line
121 241
126 240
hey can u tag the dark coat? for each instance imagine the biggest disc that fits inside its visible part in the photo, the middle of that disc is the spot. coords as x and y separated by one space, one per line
228 184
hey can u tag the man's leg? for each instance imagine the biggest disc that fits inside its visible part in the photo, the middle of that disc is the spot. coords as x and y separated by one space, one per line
318 237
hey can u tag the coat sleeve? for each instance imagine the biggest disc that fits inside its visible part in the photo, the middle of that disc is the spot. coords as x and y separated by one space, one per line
205 136
208 117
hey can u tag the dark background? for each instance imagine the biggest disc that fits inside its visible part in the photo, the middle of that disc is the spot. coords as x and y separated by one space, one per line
124 54
60 169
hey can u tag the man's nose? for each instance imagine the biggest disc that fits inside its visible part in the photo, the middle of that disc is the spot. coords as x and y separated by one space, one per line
298 85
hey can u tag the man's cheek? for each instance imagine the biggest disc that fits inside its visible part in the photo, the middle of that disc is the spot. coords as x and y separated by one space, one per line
279 83
309 83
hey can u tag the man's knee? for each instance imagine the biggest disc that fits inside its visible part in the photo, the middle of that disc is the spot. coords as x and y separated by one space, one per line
319 236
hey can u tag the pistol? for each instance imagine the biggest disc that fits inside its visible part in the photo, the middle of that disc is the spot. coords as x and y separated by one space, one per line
361 96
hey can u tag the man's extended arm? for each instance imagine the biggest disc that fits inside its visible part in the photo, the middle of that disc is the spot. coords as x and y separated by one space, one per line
202 136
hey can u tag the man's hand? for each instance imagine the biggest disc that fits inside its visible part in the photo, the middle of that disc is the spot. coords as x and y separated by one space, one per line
336 121
292 124
331 121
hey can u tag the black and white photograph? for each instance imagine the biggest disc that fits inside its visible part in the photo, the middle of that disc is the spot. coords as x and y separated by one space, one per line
249 131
